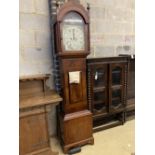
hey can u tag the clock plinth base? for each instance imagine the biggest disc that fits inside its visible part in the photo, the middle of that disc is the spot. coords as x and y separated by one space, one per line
76 130
66 148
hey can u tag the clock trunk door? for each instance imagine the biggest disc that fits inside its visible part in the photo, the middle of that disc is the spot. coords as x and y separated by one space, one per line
75 93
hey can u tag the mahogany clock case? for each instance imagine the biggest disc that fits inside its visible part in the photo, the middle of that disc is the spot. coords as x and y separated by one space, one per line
73 112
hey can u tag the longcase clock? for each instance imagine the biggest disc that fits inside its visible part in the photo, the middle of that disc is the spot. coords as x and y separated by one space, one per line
72 47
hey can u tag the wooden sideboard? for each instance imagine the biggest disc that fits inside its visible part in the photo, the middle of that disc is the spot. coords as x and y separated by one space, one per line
107 90
35 100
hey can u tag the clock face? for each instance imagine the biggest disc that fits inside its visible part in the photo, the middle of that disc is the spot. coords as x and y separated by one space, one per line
73 32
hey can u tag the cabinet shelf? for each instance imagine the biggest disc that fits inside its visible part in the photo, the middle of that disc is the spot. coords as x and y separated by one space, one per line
116 72
116 86
100 110
107 125
130 104
108 121
131 101
116 107
115 98
99 102
99 89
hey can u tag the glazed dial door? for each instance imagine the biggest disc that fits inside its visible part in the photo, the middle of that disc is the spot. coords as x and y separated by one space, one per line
73 38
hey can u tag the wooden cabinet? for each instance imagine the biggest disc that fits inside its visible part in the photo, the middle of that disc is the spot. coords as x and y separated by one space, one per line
107 90
34 104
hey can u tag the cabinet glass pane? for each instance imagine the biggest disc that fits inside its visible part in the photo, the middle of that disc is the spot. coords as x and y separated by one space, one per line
116 76
99 77
99 107
99 96
99 102
116 97
115 102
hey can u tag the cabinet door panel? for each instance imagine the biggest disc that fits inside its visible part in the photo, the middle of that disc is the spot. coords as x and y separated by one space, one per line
33 133
100 76
99 85
116 86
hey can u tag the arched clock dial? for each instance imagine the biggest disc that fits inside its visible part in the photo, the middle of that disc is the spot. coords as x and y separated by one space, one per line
73 32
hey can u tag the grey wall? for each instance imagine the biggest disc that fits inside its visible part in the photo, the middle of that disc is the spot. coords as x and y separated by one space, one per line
112 33
112 27
35 56
35 43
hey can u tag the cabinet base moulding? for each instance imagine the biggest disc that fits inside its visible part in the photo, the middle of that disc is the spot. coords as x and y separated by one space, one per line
78 144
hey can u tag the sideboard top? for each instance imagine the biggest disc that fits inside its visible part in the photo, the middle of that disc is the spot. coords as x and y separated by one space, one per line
51 97
34 77
33 91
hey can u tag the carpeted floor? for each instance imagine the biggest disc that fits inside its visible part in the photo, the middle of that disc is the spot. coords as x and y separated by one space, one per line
115 141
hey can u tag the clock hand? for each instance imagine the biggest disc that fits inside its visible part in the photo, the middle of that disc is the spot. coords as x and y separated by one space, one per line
73 35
